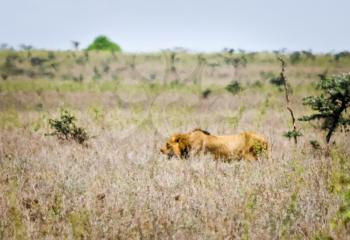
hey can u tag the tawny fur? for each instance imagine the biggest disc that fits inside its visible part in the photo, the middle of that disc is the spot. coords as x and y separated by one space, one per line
246 145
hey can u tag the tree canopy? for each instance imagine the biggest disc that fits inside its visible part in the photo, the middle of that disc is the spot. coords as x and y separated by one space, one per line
103 43
331 105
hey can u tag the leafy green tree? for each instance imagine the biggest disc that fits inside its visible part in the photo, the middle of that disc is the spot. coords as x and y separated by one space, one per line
330 107
102 43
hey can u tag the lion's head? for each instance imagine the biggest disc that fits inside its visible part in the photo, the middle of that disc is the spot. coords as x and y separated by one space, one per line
177 145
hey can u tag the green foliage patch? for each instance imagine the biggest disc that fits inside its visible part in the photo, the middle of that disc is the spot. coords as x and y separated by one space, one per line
65 128
330 107
102 43
234 87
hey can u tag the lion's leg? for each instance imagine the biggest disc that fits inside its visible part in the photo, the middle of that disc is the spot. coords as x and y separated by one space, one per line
250 157
178 153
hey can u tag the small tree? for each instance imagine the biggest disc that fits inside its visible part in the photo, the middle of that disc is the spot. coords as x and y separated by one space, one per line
75 45
102 43
331 105
294 133
27 48
235 60
295 57
171 70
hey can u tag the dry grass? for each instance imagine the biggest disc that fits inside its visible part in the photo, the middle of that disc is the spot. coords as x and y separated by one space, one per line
120 187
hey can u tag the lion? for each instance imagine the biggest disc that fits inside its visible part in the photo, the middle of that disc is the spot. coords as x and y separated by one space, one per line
246 145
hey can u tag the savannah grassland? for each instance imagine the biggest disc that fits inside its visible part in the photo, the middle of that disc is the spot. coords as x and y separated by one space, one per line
119 186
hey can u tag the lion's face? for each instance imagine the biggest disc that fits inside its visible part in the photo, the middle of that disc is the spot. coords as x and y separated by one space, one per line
175 146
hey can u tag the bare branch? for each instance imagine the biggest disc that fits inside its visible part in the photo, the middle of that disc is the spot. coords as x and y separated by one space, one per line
284 79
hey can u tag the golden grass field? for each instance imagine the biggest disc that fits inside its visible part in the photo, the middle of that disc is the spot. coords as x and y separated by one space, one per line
119 186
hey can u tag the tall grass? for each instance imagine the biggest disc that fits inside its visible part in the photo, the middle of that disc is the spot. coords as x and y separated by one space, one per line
121 187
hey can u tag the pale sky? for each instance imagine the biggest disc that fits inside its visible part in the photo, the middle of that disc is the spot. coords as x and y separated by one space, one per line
200 25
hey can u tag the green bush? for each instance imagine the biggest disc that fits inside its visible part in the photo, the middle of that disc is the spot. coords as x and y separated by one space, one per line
300 56
234 87
102 43
65 128
277 81
292 134
341 55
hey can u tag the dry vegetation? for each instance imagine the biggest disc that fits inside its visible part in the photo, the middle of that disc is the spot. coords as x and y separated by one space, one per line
120 187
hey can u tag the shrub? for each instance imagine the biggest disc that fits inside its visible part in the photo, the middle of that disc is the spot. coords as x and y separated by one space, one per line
9 67
37 61
206 93
340 55
234 87
331 105
4 76
298 56
292 134
102 43
315 144
65 128
308 55
277 81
